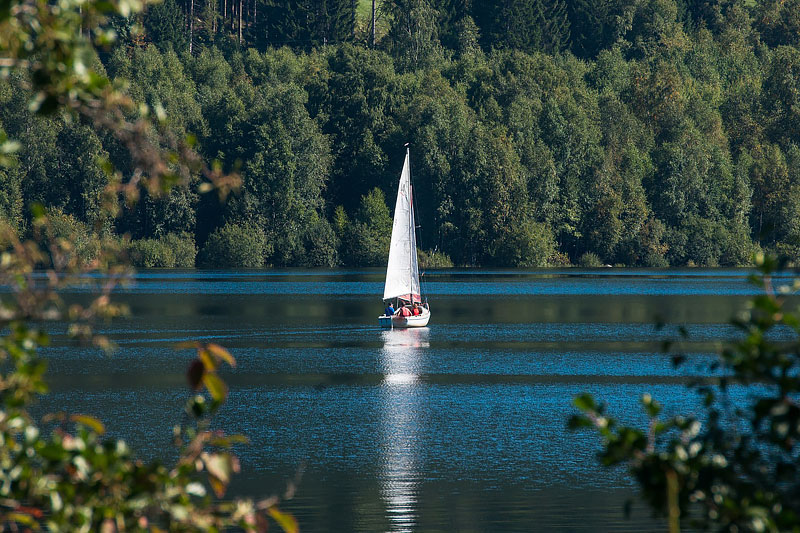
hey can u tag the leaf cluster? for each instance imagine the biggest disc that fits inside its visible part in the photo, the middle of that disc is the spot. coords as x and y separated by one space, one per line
60 472
736 465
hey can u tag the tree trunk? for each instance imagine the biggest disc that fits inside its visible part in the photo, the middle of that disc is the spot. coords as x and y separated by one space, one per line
191 24
240 21
373 23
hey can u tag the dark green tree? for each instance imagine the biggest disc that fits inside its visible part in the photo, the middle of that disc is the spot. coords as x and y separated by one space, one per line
781 94
11 200
220 97
286 162
165 24
591 26
470 182
555 26
413 38
365 240
356 109
285 23
340 21
305 23
649 26
775 182
778 22
515 24
451 13
235 246
79 178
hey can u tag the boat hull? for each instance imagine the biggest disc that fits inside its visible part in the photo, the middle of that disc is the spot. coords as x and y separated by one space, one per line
395 321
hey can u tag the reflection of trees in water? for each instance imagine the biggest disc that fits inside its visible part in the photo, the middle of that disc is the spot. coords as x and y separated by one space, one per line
402 355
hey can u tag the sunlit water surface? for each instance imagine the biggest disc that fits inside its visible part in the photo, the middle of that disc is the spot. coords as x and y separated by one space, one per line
460 426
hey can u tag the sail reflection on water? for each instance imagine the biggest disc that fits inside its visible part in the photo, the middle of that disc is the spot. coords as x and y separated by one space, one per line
402 355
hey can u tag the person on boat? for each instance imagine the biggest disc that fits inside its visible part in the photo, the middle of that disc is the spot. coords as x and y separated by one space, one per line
389 311
404 311
415 310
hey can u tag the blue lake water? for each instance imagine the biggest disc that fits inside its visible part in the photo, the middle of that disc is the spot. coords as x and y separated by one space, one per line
460 426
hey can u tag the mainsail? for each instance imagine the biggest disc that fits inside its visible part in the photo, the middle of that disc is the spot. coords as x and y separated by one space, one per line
402 273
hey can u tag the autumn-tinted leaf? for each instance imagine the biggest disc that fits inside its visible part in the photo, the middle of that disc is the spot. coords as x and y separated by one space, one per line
21 518
187 345
90 422
208 361
216 387
221 353
217 486
287 522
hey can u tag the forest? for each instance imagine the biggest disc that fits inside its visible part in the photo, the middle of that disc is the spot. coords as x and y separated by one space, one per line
542 132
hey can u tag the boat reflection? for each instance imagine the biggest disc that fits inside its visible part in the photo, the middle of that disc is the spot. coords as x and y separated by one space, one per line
402 350
402 356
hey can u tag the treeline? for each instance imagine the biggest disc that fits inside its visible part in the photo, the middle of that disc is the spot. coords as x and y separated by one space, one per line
636 132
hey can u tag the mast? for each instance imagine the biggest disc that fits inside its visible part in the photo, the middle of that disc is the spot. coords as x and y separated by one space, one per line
412 230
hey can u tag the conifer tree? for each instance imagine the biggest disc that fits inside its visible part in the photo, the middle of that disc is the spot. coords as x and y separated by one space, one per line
451 14
341 20
285 22
556 28
164 24
510 23
591 28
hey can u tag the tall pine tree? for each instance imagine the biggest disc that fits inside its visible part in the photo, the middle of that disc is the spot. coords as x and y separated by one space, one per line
305 23
556 27
591 26
451 14
164 24
510 23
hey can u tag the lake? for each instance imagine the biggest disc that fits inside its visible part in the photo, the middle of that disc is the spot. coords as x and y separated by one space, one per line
460 426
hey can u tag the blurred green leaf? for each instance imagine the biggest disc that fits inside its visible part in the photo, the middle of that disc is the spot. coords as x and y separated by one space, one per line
579 421
584 402
652 407
38 210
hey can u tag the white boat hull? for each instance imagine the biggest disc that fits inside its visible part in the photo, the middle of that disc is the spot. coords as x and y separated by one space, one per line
395 321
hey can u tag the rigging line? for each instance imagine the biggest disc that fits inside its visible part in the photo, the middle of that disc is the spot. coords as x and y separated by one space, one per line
414 226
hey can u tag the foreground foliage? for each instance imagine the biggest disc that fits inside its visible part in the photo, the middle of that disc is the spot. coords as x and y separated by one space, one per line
736 467
59 472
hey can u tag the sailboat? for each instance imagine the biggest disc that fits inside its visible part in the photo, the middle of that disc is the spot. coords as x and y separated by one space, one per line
402 272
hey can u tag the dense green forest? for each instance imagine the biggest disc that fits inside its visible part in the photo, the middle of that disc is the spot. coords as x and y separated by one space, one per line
543 132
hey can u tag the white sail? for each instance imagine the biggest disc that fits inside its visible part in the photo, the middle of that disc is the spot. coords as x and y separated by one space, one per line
402 273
